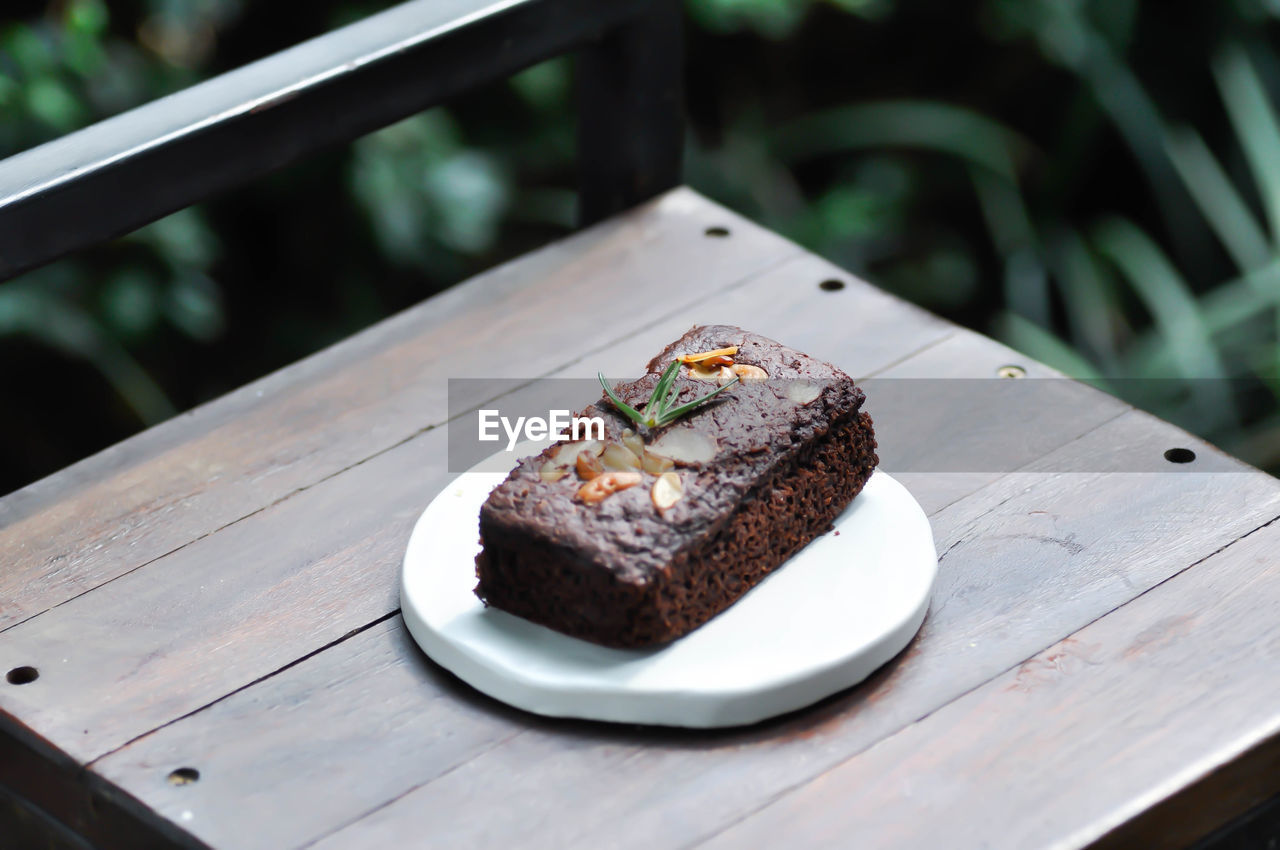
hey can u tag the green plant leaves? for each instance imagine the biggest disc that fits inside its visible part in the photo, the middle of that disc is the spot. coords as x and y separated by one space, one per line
928 125
1255 125
658 410
1224 210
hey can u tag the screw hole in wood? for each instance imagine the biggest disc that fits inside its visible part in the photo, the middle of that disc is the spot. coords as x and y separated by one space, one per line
184 776
1179 455
831 285
716 232
22 675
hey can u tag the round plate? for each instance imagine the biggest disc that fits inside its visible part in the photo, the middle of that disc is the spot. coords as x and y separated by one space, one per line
828 617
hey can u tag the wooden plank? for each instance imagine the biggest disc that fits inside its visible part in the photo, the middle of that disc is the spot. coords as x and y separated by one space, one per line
979 626
172 484
1080 740
860 328
307 761
226 610
1025 565
304 572
216 615
947 425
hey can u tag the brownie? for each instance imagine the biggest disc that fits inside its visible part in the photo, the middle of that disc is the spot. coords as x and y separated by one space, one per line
765 466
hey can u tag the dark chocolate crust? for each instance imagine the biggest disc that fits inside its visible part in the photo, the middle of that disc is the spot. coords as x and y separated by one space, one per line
622 574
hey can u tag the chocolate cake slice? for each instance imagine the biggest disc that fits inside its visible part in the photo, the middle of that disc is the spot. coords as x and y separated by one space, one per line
644 536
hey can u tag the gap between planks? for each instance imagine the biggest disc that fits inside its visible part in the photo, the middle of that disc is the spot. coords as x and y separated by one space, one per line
294 663
311 842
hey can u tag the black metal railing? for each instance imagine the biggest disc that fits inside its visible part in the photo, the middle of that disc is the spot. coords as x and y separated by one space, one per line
126 171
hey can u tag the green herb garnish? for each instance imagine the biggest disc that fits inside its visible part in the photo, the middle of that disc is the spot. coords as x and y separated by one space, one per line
658 411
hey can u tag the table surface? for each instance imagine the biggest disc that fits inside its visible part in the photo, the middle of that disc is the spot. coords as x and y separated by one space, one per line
219 594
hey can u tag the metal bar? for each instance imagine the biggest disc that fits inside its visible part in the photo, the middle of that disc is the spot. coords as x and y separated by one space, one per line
630 113
121 173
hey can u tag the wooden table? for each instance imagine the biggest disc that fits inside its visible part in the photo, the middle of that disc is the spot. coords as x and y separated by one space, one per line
210 608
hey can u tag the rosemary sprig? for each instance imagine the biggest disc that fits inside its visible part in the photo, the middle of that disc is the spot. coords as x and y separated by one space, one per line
658 411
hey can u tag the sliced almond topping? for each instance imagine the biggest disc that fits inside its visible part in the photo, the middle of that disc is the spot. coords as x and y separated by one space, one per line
565 456
602 486
656 464
748 373
633 441
720 374
717 352
551 473
685 445
667 490
803 393
618 457
589 466
568 453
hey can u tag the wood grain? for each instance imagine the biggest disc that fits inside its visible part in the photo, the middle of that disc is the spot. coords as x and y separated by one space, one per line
172 484
861 328
232 607
1077 741
997 604
230 615
947 426
1028 565
297 760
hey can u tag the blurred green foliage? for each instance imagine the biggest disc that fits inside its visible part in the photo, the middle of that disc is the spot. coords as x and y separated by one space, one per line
1096 182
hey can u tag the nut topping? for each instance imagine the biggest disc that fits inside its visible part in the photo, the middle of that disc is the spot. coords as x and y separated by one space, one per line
684 445
619 458
602 486
803 393
566 454
656 464
749 373
667 490
550 472
563 457
633 441
589 466
720 374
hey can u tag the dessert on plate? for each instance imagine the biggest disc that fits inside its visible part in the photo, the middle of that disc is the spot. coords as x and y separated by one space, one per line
729 455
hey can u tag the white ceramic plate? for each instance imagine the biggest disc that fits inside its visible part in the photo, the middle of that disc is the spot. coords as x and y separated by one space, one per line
837 610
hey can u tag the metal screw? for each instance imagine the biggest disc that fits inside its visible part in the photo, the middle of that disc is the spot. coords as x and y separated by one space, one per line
1011 372
184 776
